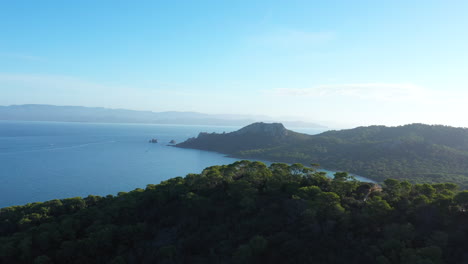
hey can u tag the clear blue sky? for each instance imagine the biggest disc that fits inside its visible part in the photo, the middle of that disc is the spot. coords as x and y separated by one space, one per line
349 62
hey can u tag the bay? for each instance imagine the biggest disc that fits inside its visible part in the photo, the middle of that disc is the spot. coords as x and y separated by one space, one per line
41 161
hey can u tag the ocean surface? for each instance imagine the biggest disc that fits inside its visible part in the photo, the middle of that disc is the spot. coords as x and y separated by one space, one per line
40 161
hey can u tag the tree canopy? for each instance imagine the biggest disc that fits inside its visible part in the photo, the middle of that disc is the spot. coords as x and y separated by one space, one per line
245 212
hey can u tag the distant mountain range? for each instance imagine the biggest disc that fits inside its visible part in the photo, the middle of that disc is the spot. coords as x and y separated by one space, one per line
35 112
418 152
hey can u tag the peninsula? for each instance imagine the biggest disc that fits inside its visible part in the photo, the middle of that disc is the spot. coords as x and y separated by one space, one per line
416 152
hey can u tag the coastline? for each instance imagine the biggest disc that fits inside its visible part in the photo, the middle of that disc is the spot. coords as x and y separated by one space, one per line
266 161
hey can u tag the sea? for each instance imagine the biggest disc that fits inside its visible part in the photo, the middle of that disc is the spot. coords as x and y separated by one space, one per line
41 161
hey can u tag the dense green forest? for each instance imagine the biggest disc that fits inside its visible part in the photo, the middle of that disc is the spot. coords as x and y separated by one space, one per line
418 153
246 212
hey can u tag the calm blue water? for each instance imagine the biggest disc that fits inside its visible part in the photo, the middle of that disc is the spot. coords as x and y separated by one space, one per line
41 161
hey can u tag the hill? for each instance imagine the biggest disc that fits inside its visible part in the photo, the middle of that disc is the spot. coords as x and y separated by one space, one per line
418 152
245 212
35 112
253 136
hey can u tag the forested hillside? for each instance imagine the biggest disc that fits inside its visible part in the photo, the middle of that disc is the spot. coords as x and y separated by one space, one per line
417 152
246 212
253 136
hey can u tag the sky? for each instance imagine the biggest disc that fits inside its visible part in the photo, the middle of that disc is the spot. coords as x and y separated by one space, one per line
388 62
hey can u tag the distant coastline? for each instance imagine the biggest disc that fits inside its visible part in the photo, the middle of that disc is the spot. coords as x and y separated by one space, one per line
52 113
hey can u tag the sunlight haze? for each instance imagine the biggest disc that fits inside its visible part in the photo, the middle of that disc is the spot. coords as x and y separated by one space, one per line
343 62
